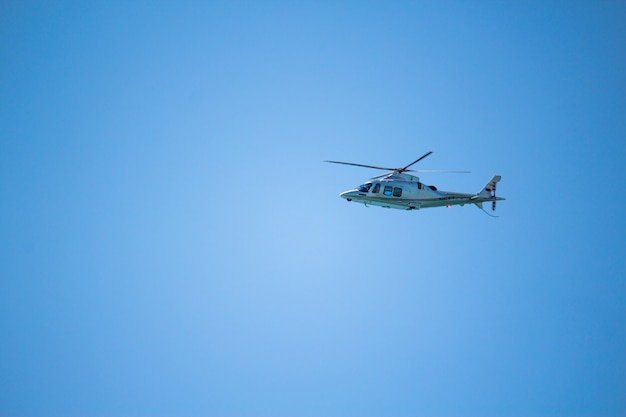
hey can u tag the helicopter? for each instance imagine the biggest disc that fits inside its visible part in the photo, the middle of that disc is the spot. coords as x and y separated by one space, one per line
400 190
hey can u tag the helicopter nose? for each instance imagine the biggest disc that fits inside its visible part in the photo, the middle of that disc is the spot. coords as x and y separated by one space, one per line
347 195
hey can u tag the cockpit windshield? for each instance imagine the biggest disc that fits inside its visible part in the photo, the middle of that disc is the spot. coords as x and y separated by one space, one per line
365 187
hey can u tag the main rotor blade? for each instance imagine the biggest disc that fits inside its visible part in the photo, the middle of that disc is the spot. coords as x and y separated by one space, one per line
445 171
382 175
416 161
361 165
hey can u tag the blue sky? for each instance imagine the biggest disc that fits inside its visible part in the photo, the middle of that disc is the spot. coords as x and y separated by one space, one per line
171 243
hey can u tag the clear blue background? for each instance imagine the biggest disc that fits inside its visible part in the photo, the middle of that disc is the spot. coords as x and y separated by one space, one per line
171 243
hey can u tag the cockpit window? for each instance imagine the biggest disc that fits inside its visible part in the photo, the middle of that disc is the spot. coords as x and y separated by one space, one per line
365 187
376 188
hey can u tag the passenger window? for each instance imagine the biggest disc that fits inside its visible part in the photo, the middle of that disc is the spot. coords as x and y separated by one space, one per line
376 188
419 185
397 191
388 189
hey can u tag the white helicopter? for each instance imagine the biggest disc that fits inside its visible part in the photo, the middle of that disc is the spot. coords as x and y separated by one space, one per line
403 191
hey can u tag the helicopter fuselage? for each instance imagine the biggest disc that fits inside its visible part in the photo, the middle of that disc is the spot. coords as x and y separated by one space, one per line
406 192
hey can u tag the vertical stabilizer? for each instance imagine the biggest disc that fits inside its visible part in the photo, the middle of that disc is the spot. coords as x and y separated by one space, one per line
489 190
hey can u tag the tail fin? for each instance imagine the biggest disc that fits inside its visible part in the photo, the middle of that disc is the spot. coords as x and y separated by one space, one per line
489 190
